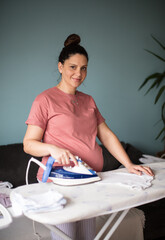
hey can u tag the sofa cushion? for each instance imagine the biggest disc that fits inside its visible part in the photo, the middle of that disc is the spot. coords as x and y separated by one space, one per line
110 162
13 164
133 153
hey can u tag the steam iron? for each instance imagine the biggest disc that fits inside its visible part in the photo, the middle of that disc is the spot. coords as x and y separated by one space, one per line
67 175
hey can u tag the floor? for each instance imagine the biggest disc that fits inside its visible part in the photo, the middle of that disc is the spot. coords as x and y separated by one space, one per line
22 229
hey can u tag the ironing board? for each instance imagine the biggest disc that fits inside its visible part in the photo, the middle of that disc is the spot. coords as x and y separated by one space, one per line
91 200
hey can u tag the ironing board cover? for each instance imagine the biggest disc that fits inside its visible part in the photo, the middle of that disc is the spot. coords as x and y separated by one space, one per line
91 200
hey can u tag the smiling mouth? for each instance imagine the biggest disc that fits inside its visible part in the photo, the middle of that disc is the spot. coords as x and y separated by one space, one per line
77 79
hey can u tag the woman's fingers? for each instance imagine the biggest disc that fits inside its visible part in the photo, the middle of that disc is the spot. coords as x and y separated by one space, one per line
148 170
139 169
65 158
138 172
62 156
73 158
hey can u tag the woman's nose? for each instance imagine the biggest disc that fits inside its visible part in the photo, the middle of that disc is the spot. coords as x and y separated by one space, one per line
78 71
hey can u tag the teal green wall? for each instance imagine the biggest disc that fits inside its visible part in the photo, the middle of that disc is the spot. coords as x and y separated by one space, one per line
115 34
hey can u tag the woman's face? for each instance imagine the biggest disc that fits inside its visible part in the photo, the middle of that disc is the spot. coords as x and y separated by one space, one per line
73 71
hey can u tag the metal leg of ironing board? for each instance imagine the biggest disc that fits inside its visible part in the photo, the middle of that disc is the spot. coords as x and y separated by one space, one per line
116 224
58 232
104 227
114 227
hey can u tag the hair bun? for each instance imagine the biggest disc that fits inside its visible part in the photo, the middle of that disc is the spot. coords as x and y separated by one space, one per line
72 39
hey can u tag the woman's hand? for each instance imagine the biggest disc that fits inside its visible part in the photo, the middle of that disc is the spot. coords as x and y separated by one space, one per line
139 169
112 143
62 156
33 145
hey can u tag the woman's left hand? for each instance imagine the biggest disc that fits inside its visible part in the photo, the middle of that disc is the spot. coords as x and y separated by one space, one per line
139 169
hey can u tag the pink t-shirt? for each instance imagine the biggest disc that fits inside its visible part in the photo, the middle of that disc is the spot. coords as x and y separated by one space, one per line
69 121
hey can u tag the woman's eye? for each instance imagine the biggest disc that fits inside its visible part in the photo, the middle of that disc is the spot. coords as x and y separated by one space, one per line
84 68
73 67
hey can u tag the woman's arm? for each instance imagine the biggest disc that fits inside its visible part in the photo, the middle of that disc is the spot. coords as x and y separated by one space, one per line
33 145
113 145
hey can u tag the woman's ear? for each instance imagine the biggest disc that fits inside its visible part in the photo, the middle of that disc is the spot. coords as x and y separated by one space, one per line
60 65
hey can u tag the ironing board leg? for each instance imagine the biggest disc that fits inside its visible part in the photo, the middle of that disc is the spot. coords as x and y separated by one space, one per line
104 227
58 232
116 224
114 227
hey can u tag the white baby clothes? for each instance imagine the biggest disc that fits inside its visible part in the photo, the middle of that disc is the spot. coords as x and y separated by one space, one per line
130 180
50 200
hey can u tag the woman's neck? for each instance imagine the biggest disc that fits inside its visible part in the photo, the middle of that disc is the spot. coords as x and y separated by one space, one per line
66 89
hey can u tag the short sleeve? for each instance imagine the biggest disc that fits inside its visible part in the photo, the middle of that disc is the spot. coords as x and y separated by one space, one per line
100 118
39 113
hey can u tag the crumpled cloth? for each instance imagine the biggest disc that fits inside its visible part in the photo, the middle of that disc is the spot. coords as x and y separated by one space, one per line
5 200
41 202
150 159
130 180
5 184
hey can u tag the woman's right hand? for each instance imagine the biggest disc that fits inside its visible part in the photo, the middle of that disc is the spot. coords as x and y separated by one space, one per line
62 156
33 145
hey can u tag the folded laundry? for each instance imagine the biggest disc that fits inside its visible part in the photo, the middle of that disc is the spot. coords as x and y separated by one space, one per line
130 180
50 200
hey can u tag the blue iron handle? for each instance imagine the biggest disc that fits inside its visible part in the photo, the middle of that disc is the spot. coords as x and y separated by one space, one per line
47 171
49 165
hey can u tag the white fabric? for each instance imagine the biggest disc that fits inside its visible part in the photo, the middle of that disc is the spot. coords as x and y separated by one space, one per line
41 202
150 159
5 217
129 180
5 184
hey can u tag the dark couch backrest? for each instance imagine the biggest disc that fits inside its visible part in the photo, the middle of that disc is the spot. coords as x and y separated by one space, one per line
13 164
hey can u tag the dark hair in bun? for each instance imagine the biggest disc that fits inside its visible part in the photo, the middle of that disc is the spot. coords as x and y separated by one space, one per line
72 39
72 47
